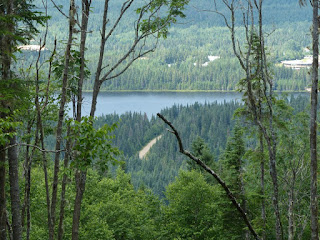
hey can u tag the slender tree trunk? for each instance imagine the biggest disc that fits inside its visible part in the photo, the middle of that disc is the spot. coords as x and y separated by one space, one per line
26 177
291 212
83 38
26 207
275 197
97 82
313 124
81 175
60 120
243 198
9 227
262 185
63 187
80 183
14 189
272 143
44 165
3 215
5 76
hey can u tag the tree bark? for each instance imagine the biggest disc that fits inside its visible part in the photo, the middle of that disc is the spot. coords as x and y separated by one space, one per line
262 185
81 175
14 189
3 215
5 50
61 118
313 124
63 187
291 212
97 82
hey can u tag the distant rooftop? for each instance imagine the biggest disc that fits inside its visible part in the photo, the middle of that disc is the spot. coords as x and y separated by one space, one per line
32 48
306 62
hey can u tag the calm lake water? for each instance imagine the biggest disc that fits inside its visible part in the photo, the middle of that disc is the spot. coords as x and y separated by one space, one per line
153 102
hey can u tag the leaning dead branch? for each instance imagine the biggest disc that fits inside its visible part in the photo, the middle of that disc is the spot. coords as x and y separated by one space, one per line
214 174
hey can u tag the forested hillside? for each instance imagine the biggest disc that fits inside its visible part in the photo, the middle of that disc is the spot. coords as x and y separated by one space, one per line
177 62
210 123
133 211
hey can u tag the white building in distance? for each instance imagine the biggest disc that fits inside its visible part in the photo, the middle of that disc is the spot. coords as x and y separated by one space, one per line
306 62
32 48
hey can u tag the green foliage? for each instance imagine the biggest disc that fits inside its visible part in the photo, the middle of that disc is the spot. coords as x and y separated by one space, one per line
232 167
13 94
6 129
154 23
112 209
73 71
201 150
193 207
92 146
113 205
192 212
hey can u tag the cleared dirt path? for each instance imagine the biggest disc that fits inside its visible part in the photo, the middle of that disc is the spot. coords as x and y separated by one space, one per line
146 149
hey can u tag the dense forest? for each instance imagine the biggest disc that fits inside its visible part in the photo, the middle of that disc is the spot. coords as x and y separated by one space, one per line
232 170
177 64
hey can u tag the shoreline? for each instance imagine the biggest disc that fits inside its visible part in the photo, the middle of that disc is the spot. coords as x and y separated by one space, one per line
184 91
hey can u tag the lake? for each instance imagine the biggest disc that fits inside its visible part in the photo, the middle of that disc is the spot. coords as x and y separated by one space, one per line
153 102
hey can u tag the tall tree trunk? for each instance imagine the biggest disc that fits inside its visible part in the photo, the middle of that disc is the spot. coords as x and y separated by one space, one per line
291 211
12 151
313 124
81 175
27 175
3 215
14 189
262 185
26 205
97 82
44 162
271 141
63 187
5 76
275 195
61 117
80 183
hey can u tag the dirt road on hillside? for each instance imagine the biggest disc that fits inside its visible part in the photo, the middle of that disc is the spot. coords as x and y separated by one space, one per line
146 149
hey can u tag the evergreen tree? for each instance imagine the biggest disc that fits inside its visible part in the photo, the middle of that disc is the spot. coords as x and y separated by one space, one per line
201 150
232 165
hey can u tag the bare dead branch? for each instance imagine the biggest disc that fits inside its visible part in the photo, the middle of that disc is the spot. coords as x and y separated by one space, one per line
126 5
59 9
214 174
49 75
